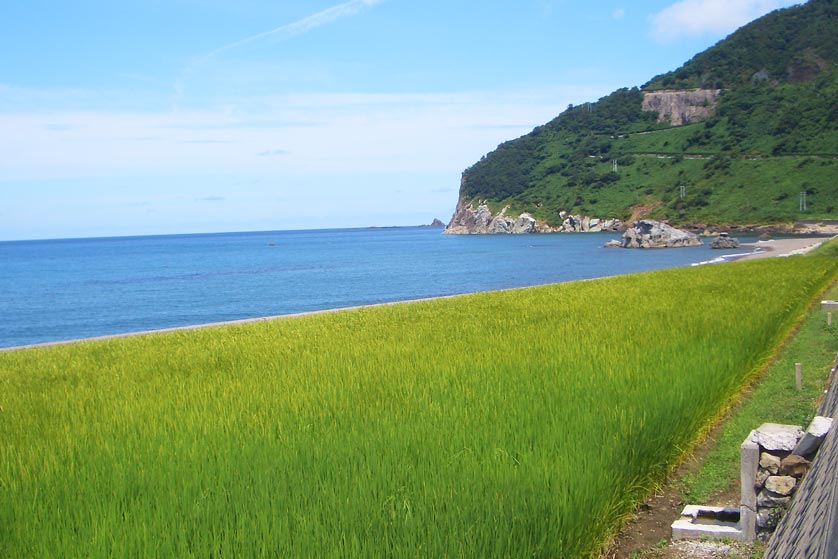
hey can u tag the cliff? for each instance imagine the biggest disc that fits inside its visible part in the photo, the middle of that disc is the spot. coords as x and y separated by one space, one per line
681 106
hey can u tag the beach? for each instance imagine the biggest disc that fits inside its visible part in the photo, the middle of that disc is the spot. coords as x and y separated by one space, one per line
783 247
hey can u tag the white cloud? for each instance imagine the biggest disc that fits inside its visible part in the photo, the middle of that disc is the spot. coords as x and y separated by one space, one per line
692 18
271 136
619 13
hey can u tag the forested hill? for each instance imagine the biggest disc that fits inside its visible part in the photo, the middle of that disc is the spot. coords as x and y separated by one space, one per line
733 136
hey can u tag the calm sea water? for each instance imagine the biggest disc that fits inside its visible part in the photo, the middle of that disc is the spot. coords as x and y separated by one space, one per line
76 288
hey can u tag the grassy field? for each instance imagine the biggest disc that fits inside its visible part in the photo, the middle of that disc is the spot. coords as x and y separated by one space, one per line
523 423
815 346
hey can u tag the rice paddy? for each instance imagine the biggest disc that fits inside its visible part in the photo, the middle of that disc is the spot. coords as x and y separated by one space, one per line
523 423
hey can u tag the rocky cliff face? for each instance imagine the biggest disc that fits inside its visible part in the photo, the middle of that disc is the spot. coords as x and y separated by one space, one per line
681 106
470 221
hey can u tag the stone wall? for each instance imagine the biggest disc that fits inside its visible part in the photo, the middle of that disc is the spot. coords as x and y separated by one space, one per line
809 529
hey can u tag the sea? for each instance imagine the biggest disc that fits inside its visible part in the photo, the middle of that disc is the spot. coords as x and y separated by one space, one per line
67 289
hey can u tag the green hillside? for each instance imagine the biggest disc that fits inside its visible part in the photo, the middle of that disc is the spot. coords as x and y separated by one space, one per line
772 134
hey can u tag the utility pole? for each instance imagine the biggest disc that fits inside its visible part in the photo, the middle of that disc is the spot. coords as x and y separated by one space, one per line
803 201
683 191
614 165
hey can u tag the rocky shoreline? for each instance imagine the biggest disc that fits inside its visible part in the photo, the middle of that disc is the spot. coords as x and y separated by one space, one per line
468 220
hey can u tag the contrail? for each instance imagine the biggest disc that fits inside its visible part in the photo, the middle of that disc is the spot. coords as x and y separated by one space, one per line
281 33
304 25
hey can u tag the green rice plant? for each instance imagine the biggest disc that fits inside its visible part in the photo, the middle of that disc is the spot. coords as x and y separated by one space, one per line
522 423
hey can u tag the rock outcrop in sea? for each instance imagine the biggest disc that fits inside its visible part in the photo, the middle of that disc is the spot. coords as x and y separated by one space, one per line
470 221
724 241
648 233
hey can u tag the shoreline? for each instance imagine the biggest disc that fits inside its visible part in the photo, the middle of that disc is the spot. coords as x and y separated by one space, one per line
768 249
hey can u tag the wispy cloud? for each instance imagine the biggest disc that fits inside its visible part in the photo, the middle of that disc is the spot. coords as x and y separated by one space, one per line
357 133
211 199
281 33
273 152
619 13
693 18
301 26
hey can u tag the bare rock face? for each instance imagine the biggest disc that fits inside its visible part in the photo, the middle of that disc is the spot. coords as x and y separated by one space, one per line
480 221
586 224
648 233
524 224
681 106
468 220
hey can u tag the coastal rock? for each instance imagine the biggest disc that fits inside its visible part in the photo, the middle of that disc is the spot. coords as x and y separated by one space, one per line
613 243
437 223
648 233
468 220
482 218
612 225
524 224
724 241
500 224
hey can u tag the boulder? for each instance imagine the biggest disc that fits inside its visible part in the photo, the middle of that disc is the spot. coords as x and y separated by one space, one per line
724 241
613 243
648 233
781 485
794 465
769 499
762 475
769 462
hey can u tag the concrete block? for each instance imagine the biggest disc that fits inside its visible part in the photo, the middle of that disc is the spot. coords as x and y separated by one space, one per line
748 467
749 464
812 439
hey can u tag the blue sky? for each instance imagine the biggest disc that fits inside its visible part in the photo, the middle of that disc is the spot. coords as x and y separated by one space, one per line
180 116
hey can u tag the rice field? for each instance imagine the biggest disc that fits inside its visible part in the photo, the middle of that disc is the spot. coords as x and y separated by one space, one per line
523 423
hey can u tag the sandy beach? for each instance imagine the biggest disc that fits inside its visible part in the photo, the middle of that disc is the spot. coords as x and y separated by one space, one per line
782 247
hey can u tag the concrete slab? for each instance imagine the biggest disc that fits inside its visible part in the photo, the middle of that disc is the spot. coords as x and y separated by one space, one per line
691 527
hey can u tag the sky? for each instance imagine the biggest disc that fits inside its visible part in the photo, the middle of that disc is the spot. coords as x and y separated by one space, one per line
120 117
